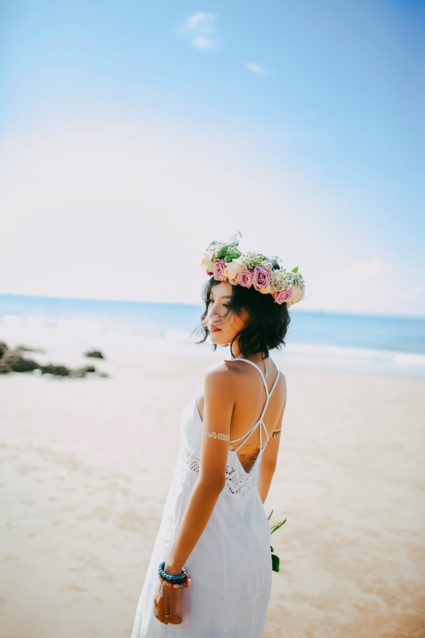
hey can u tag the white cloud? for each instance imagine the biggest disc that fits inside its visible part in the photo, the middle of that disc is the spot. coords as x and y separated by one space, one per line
255 68
201 42
200 20
201 29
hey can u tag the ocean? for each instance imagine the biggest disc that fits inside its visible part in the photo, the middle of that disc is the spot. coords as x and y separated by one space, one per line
392 344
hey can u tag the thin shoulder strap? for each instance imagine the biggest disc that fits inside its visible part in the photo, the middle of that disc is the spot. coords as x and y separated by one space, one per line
269 394
259 370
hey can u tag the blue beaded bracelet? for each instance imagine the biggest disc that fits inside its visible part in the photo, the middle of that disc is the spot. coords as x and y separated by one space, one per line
172 578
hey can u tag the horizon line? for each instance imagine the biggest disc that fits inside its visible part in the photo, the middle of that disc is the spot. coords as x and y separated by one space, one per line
189 303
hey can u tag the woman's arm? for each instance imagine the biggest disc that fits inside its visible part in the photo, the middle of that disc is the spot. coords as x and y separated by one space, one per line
217 414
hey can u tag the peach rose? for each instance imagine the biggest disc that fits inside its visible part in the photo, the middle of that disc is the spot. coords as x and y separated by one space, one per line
265 291
233 268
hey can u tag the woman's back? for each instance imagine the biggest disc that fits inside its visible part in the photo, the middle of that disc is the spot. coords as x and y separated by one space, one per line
257 397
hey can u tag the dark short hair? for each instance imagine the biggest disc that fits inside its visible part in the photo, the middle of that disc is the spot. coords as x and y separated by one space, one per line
268 323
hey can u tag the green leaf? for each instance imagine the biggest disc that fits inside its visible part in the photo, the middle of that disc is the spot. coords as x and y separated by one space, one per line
295 269
277 525
269 516
275 563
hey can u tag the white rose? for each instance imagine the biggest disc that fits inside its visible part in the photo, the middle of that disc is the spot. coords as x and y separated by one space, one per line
207 264
297 294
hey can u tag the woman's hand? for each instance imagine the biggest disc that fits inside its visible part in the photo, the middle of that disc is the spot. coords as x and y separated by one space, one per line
167 602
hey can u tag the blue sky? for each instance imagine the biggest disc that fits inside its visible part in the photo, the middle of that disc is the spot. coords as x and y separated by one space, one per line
319 104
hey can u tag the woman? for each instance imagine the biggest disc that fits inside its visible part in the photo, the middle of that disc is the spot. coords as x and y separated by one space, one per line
210 571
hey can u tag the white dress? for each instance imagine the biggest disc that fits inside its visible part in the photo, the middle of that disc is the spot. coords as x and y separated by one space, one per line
230 565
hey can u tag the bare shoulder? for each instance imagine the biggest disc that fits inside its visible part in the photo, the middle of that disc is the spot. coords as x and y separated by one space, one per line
219 371
218 377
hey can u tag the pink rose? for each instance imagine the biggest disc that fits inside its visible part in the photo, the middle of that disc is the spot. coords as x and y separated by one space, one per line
244 278
261 277
282 295
219 266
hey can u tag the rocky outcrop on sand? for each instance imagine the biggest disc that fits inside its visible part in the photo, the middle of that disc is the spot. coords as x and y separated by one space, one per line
13 360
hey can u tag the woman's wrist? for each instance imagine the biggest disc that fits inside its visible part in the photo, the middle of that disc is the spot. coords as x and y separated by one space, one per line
172 569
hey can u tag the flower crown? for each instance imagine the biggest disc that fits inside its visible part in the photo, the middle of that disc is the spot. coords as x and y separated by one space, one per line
225 262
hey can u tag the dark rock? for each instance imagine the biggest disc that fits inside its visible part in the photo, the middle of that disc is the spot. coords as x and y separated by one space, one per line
94 353
20 364
60 371
89 368
3 349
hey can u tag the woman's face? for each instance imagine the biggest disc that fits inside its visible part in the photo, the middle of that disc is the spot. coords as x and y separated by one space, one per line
228 325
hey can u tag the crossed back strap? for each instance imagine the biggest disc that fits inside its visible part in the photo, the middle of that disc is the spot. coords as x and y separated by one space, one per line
260 421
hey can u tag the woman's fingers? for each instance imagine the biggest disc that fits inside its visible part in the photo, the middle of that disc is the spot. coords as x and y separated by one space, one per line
160 603
159 610
167 605
168 615
174 619
173 605
159 613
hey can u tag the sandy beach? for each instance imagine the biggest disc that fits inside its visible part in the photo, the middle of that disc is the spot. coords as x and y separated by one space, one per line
86 463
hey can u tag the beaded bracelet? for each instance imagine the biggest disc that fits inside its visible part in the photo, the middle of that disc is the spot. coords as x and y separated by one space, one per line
186 583
174 580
